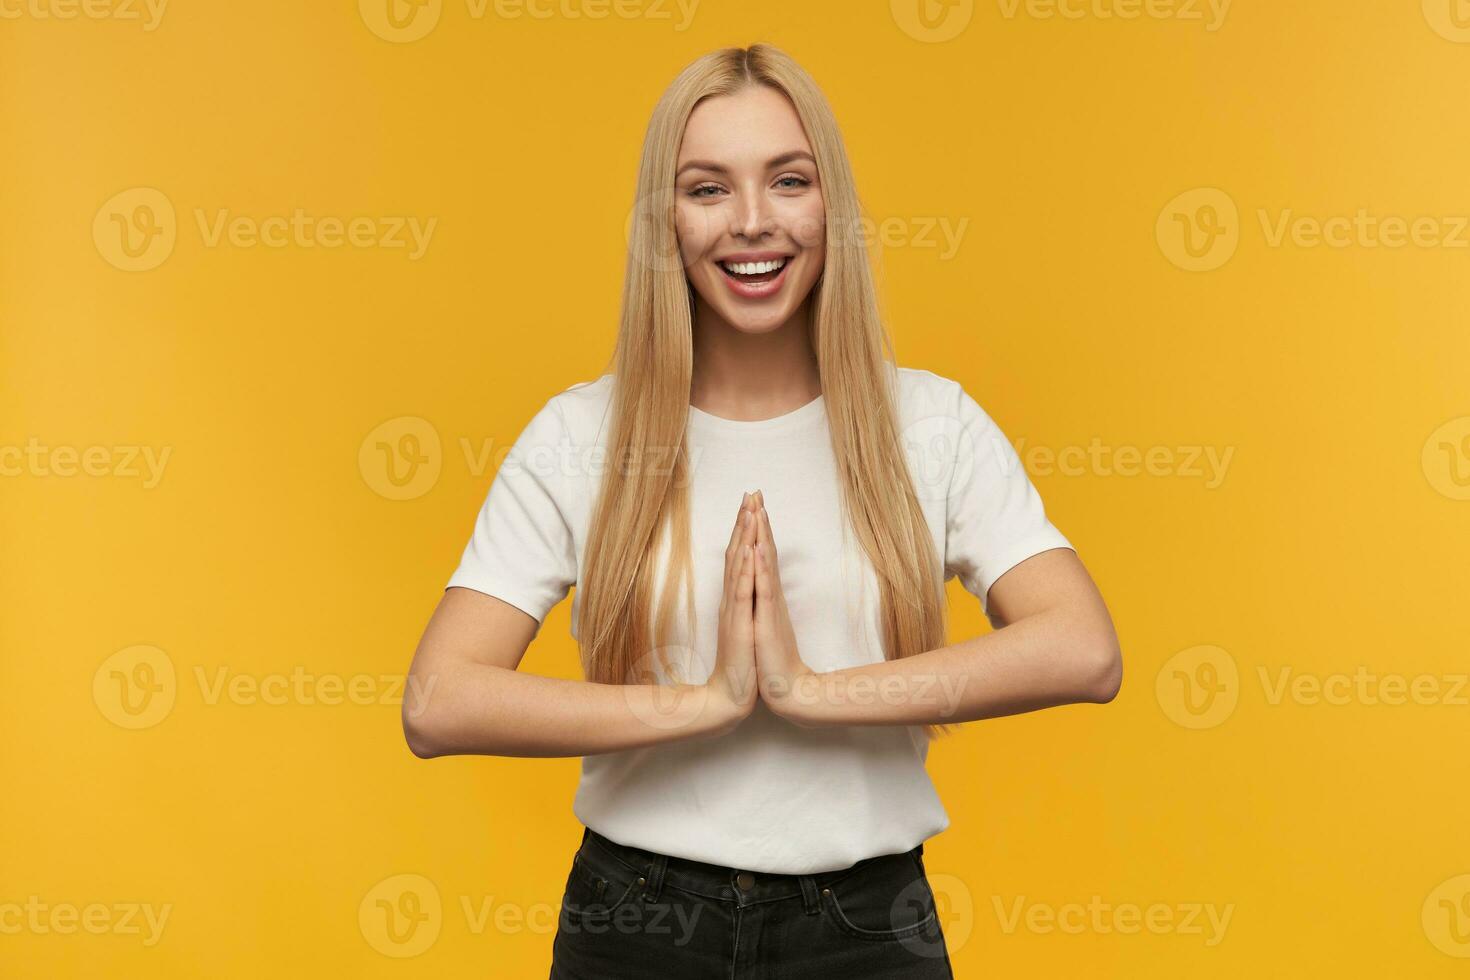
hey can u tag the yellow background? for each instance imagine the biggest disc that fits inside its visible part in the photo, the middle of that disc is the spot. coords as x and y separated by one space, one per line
1333 834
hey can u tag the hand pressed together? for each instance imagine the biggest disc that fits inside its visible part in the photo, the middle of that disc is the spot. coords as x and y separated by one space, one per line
779 668
757 652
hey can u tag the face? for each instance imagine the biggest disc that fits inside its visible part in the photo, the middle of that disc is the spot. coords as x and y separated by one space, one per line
749 213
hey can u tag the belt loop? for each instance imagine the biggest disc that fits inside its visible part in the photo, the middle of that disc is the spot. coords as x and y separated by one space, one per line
809 898
655 876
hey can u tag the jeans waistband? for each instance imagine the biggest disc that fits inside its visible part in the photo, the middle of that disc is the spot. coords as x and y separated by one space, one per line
717 881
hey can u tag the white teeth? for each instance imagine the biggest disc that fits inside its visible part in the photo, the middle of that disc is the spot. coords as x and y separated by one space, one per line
754 268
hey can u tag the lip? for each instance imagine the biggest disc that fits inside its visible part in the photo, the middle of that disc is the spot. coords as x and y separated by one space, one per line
756 290
754 256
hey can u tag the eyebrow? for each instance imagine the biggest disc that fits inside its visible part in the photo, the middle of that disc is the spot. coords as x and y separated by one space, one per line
777 161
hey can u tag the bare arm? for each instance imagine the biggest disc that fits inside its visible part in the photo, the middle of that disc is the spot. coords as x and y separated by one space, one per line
465 696
1053 644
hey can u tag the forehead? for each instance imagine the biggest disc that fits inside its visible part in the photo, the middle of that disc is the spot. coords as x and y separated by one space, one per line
748 127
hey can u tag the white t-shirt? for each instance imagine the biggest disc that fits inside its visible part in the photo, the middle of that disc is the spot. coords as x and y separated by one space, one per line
769 796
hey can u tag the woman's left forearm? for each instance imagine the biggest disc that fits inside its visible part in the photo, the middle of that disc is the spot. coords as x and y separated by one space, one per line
1048 659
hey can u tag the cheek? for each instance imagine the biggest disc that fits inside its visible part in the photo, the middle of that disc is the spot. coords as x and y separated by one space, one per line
693 228
810 232
808 225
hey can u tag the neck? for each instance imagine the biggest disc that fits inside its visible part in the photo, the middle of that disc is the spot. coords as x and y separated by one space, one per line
753 375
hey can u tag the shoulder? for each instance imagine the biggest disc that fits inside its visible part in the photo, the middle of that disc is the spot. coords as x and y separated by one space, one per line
566 422
923 394
580 410
920 382
583 395
940 419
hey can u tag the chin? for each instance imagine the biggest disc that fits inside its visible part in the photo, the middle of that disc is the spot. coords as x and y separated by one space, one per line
751 317
747 321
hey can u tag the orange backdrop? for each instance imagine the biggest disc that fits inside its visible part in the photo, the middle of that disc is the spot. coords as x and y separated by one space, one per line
1205 263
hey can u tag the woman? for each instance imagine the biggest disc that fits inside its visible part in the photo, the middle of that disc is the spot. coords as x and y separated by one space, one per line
764 669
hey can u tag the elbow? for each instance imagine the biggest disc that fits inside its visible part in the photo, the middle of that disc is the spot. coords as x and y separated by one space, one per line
1104 670
418 731
421 748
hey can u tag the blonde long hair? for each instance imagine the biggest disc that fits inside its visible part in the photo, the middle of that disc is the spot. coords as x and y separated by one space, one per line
641 509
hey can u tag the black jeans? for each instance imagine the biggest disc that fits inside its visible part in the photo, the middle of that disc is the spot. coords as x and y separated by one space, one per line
629 914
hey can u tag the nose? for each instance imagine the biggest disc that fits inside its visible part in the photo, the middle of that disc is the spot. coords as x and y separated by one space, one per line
752 217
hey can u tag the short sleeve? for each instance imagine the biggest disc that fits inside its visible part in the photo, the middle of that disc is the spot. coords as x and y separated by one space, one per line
995 519
522 549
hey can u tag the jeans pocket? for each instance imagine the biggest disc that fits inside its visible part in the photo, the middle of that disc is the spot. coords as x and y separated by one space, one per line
598 884
886 899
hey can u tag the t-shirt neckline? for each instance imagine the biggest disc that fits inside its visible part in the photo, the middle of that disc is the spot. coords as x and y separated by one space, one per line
714 423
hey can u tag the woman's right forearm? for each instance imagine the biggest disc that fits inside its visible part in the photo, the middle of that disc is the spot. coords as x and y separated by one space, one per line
468 708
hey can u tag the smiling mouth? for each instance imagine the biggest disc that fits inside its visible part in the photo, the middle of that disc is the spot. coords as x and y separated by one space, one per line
753 273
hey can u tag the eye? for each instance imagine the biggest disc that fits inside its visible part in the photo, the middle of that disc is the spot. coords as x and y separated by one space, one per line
703 187
800 181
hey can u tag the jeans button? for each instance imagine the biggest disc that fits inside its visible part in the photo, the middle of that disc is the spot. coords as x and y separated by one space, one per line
745 880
